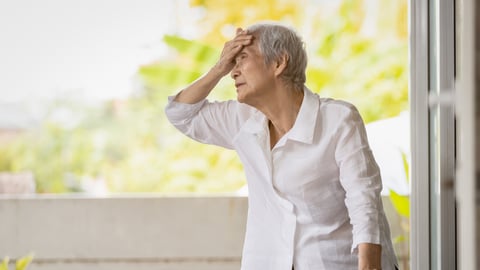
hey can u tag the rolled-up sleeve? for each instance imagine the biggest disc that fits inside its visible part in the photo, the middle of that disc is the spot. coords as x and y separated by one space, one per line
180 113
207 122
360 177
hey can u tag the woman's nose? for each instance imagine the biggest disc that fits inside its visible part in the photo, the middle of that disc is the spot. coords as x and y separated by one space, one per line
235 72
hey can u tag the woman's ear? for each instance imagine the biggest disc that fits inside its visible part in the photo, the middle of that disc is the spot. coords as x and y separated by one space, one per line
281 64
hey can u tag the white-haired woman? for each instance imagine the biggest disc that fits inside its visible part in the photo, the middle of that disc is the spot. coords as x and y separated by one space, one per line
314 186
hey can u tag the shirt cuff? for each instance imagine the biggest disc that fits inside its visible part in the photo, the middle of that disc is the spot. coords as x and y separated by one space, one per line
373 238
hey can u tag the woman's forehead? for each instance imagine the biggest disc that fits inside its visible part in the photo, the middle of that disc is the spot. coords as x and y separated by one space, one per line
252 48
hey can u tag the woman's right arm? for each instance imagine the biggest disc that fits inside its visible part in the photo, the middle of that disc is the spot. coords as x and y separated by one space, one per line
199 89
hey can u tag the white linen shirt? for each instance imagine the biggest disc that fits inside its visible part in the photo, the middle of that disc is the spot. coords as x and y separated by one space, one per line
313 197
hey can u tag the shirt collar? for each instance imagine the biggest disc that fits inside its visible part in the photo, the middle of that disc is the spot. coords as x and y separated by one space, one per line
304 128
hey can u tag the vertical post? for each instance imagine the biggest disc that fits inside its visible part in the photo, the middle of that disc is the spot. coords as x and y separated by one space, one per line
443 180
466 142
418 86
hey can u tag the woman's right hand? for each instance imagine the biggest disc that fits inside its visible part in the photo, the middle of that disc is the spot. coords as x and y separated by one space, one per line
201 88
230 50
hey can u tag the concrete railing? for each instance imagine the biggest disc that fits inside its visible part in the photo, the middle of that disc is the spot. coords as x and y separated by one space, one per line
124 233
175 233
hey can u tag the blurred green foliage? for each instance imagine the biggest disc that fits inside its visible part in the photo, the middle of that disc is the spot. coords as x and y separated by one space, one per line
401 203
355 52
20 264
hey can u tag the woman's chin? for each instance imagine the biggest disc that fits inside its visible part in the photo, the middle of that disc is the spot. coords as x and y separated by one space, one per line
240 98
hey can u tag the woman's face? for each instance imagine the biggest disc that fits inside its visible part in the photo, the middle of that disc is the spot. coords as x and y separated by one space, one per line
253 79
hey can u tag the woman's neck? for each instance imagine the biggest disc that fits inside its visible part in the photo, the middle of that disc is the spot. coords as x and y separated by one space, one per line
282 110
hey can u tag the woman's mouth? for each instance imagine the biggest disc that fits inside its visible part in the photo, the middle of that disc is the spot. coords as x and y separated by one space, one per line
237 85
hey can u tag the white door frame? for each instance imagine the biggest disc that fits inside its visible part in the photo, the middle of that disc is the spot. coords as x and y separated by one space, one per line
420 184
465 111
432 88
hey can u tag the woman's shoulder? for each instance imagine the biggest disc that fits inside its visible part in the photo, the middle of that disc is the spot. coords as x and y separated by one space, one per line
239 107
337 106
236 109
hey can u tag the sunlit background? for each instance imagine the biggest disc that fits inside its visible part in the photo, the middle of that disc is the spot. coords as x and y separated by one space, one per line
87 49
84 83
83 86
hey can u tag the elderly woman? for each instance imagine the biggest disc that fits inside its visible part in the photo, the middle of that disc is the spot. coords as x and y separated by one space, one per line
314 186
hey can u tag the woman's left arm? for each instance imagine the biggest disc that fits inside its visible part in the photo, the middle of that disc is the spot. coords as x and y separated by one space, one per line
369 256
361 179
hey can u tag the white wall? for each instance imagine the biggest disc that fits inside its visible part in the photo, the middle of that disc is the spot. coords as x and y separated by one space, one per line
124 233
175 233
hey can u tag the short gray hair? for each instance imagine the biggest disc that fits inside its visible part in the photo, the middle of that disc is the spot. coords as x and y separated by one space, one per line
274 41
